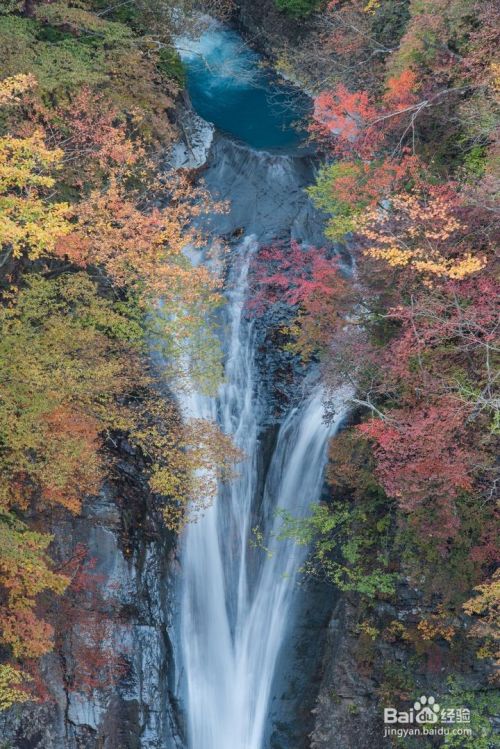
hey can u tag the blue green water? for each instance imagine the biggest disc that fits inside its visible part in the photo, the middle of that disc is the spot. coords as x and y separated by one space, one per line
230 87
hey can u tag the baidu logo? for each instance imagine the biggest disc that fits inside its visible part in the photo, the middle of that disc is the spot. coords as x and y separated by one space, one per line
426 710
423 717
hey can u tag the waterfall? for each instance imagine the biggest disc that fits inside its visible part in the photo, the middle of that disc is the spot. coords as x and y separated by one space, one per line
237 604
234 614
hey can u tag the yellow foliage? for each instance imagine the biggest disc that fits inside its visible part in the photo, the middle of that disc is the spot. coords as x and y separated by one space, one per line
12 88
188 459
395 630
495 75
10 680
486 602
418 236
454 269
434 627
485 605
31 226
28 222
23 162
368 629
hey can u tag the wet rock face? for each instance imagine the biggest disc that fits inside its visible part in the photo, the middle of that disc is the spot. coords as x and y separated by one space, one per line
266 193
191 151
299 670
347 713
362 677
134 571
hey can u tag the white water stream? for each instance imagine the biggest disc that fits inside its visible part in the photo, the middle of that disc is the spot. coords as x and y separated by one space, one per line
233 626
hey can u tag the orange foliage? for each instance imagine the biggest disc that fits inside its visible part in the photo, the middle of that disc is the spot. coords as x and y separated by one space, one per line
401 89
27 635
140 247
73 440
344 117
94 135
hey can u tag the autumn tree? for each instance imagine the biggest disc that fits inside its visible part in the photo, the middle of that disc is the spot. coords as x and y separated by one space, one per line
96 139
307 281
12 681
88 618
483 607
80 356
30 223
423 462
142 248
424 235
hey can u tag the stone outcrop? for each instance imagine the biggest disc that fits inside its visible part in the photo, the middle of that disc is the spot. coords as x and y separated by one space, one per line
133 557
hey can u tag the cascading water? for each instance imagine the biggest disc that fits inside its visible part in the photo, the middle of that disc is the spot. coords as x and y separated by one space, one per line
236 603
232 627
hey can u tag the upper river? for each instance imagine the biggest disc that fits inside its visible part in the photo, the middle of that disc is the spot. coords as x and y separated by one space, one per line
230 86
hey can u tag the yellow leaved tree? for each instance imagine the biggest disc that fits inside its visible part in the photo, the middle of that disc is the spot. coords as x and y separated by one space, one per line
423 235
30 224
11 679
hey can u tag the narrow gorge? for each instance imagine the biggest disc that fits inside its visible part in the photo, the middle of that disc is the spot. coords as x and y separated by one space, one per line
238 604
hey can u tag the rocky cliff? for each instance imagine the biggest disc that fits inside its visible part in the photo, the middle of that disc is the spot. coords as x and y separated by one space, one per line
131 557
